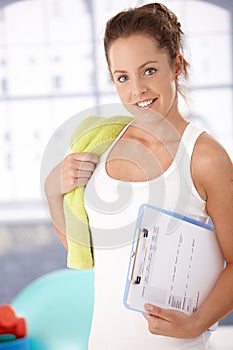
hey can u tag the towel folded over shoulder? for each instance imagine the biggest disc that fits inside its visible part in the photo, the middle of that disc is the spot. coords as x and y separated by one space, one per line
94 134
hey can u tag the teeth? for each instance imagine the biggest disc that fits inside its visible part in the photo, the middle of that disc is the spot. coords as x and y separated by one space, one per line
144 103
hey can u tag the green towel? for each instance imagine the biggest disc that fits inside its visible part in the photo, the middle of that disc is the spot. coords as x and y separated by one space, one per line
94 134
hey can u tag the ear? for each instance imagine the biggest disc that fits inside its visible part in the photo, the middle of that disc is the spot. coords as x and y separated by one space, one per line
178 65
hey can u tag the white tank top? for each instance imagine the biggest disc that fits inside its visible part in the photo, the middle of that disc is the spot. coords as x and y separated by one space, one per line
112 207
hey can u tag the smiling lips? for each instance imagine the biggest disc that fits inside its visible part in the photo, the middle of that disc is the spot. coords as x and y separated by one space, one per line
147 103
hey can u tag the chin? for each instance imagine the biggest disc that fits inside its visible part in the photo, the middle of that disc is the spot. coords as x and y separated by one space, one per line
147 115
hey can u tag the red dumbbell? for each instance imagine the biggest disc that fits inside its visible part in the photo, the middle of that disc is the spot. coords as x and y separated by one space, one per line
10 323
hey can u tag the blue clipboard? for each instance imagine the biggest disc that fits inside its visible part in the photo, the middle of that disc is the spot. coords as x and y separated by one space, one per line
175 261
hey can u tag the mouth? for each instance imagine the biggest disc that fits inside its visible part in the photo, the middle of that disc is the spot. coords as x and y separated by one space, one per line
146 103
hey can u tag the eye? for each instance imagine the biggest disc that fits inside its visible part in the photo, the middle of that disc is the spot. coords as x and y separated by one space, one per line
150 71
122 78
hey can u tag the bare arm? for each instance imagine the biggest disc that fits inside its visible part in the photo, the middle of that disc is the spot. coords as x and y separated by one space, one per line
213 177
215 172
75 170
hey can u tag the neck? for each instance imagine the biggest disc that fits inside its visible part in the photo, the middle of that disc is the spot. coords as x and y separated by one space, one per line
166 129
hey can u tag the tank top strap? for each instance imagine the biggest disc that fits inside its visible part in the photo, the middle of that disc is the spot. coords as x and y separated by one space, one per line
189 138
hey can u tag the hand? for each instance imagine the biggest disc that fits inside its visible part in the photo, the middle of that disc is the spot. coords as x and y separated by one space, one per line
171 323
76 170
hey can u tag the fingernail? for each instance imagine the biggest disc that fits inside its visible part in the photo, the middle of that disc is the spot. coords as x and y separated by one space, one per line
149 307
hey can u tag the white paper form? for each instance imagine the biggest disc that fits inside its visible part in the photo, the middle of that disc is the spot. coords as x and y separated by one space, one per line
175 262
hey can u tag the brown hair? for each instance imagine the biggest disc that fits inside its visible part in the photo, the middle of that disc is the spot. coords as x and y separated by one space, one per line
155 20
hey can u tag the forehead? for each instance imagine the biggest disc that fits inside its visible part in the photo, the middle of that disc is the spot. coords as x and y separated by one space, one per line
134 51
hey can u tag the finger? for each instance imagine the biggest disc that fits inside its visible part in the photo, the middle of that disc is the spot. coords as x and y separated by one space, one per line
79 178
78 174
79 182
74 165
154 324
159 312
148 317
86 157
82 181
85 166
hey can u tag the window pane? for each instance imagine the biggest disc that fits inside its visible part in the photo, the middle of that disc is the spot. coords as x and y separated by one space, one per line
211 59
52 66
213 111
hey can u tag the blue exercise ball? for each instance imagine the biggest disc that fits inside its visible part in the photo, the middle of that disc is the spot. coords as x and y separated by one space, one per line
58 309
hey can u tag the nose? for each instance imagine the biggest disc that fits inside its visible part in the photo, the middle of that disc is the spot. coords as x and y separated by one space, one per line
138 88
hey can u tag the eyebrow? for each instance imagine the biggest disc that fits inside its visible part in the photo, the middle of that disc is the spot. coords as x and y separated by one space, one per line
140 67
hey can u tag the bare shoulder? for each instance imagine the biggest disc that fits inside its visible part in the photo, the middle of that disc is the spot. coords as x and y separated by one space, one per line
210 158
213 172
211 167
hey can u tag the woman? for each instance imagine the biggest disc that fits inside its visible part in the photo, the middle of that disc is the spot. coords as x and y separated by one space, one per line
143 49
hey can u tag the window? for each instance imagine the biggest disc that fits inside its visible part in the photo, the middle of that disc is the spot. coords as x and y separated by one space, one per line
52 66
209 44
4 86
57 82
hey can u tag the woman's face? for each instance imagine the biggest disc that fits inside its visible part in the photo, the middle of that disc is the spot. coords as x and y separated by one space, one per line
143 75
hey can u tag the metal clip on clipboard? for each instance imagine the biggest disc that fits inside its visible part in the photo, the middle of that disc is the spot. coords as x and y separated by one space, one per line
137 256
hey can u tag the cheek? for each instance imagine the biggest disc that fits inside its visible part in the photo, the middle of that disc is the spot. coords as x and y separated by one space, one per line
174 87
122 92
168 86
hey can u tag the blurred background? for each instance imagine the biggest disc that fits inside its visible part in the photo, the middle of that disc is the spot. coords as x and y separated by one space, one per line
52 66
